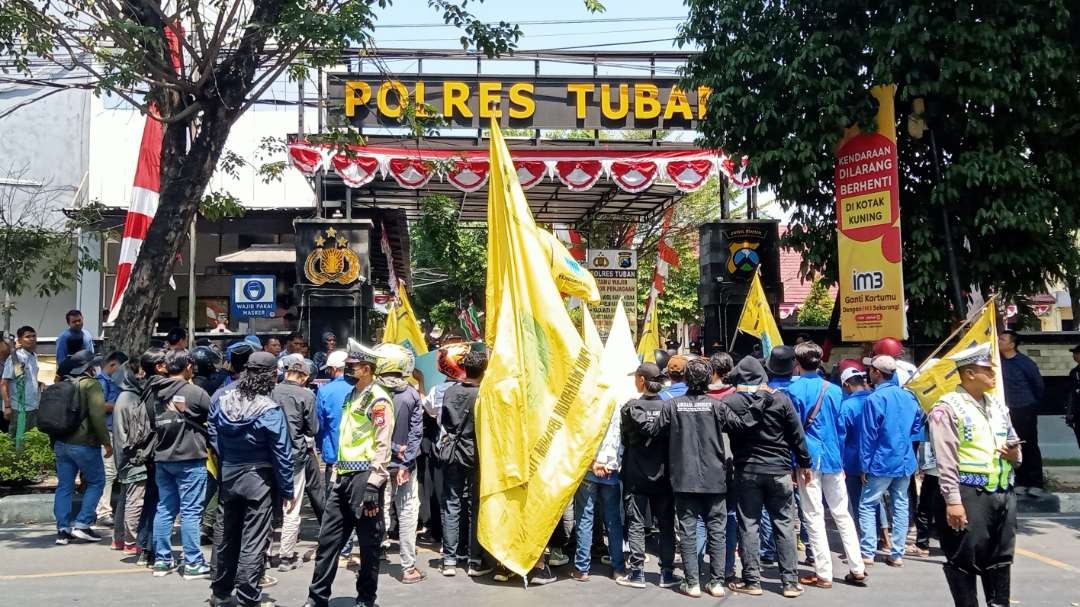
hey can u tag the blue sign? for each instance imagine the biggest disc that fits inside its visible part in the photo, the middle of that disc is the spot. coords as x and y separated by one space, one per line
253 296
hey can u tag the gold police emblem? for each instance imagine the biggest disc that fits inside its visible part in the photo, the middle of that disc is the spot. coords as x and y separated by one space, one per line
332 261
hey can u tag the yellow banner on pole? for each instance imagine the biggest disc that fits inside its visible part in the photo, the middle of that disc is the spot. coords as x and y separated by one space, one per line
937 377
756 318
537 430
868 229
650 335
402 326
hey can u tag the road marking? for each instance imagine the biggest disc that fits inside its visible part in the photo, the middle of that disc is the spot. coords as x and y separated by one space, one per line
1046 560
35 576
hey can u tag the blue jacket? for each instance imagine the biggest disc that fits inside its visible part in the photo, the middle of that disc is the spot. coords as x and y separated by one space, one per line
823 435
675 390
328 406
891 419
1023 382
62 346
252 432
850 426
112 392
780 383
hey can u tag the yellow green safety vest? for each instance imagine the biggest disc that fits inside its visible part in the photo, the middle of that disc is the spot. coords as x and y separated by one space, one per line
981 434
361 417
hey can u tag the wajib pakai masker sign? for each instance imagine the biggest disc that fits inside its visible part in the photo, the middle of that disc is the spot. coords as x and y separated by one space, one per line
515 101
868 229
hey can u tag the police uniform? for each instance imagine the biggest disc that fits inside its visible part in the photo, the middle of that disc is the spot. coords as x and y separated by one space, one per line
967 434
367 423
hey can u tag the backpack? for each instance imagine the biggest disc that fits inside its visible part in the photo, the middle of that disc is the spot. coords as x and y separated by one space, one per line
60 411
141 440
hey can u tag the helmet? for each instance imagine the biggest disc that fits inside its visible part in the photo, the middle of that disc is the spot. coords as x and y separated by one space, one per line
394 358
448 360
850 363
888 346
206 360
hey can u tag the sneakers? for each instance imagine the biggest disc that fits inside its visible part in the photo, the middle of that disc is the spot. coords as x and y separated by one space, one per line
131 549
668 579
502 574
196 572
116 545
792 590
752 589
690 590
557 558
63 537
412 575
897 562
606 560
634 578
581 576
162 568
105 521
715 588
86 535
541 575
448 568
479 569
266 581
288 563
144 560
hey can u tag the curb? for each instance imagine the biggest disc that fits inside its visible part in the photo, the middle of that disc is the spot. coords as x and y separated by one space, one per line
31 508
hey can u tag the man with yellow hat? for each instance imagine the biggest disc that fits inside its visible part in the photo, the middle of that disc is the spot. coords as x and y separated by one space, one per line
976 449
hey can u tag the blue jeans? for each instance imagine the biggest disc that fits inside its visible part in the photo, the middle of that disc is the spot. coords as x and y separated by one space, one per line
181 488
854 492
611 507
70 460
869 500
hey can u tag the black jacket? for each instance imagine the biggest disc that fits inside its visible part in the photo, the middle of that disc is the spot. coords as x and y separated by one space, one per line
644 462
767 447
695 424
180 411
298 404
458 419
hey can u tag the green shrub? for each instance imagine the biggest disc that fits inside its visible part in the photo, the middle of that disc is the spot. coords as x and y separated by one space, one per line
33 462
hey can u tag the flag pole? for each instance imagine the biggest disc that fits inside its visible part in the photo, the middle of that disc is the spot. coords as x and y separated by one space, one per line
963 325
757 274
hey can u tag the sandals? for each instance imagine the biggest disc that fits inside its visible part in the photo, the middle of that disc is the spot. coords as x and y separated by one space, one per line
856 580
815 581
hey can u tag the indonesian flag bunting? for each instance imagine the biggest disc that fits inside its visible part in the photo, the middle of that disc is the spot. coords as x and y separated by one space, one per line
530 172
144 195
469 175
634 177
305 158
579 174
411 173
355 172
689 175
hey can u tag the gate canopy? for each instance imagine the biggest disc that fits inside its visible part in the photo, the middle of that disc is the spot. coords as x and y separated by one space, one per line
564 182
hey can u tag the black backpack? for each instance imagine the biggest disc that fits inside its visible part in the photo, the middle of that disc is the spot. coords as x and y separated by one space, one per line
60 411
141 440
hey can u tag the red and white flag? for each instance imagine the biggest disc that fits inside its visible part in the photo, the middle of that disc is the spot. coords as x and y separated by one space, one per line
144 195
666 257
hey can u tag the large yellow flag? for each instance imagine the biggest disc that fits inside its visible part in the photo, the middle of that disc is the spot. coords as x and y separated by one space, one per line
757 318
402 326
570 277
650 335
937 377
536 432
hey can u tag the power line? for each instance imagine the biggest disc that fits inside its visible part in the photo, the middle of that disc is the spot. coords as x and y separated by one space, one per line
529 37
543 22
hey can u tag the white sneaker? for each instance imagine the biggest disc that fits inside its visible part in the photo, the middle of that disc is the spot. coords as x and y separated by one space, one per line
86 535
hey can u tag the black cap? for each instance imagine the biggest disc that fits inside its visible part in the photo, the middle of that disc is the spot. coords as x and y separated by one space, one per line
1075 349
81 362
261 361
781 361
648 372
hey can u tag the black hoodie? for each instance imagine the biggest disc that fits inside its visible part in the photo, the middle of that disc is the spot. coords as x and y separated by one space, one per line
768 446
180 409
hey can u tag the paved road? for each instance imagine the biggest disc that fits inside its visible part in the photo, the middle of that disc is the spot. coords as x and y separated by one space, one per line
34 572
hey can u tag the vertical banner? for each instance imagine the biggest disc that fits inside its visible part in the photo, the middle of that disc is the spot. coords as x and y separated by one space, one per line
868 229
615 271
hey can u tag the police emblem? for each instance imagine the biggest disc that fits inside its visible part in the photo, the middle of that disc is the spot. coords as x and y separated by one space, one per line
332 261
743 258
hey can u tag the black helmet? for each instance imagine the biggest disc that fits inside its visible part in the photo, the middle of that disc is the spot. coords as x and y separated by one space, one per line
207 360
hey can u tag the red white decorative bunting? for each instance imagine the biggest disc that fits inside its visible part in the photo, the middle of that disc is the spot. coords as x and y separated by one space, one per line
410 173
579 175
357 171
306 159
469 175
634 176
689 175
530 172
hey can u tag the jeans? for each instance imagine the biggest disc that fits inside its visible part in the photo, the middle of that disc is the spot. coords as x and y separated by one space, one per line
760 493
585 502
765 535
663 508
72 459
461 492
181 488
711 507
874 489
406 501
829 490
854 494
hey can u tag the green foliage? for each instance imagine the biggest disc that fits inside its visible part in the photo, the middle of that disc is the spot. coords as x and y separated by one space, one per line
33 462
457 249
816 311
999 83
220 205
679 303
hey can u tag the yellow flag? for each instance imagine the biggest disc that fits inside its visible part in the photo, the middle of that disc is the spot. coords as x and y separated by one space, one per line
650 335
757 319
939 377
536 432
402 326
570 277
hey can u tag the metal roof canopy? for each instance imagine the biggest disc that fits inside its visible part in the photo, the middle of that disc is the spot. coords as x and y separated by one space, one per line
551 202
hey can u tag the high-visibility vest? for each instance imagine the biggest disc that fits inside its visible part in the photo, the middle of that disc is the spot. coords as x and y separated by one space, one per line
360 418
982 432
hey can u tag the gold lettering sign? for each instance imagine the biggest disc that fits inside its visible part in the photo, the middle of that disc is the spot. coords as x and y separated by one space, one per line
332 261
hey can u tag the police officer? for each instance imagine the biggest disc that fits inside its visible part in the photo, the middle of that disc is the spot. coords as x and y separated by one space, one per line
354 500
976 449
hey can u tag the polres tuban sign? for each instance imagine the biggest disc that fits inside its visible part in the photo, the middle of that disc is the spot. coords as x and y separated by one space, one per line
540 102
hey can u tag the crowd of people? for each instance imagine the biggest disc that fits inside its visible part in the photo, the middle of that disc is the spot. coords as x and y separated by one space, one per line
720 461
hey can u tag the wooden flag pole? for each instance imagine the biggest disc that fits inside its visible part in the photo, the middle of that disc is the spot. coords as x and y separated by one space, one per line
962 326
